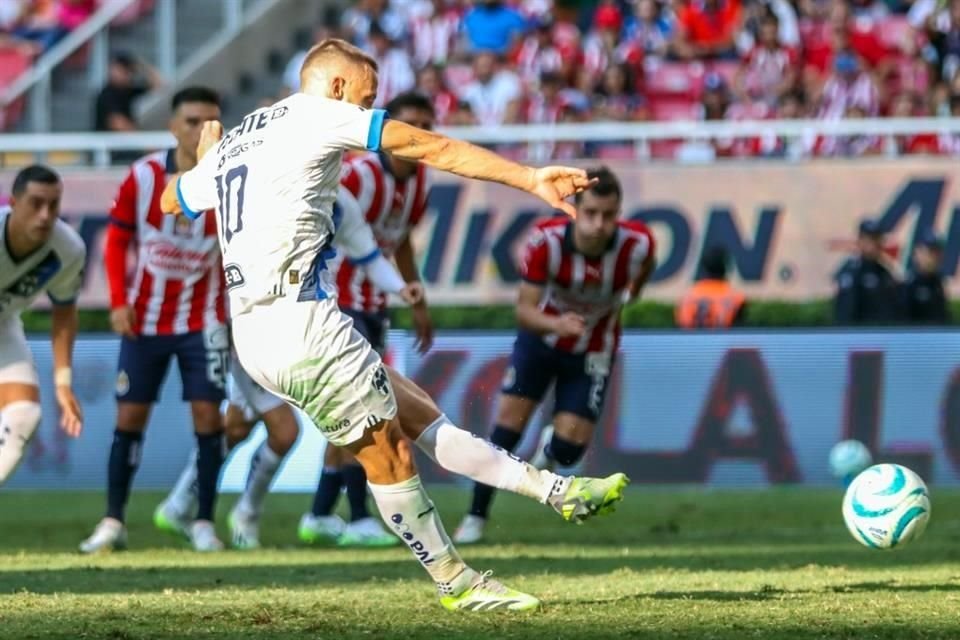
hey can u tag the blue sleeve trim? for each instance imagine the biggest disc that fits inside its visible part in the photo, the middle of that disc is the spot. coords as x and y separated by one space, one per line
370 257
376 129
187 211
62 303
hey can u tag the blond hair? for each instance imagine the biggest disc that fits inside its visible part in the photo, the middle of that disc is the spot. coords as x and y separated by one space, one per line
330 51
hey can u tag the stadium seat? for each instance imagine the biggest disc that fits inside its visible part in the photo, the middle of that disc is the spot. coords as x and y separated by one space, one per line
12 64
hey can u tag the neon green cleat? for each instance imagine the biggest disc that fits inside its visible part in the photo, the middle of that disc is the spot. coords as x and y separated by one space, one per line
166 519
588 497
367 532
486 594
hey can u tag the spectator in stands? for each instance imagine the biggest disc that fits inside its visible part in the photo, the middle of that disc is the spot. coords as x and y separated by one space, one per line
869 9
716 100
867 292
849 146
396 70
39 22
494 93
10 13
72 13
430 83
492 25
850 87
617 97
434 33
945 42
650 28
127 80
462 115
544 105
357 20
769 70
707 29
909 105
712 302
539 53
787 23
909 72
924 296
602 46
947 143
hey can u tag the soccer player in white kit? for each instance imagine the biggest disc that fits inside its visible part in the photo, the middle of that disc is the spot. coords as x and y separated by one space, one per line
274 180
249 403
38 252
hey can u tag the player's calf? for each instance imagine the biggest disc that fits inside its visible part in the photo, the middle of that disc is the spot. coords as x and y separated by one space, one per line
18 422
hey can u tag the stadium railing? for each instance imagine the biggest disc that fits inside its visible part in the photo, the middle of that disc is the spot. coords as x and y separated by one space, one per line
97 147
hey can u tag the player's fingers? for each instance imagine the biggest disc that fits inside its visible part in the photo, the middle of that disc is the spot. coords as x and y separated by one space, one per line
566 207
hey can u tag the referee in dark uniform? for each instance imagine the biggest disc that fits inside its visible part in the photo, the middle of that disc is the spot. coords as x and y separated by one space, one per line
924 298
867 293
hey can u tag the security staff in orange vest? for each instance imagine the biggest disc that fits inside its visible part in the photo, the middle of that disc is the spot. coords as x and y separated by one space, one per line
712 303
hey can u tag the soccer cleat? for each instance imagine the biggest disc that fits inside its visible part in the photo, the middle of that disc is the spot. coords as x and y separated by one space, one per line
539 458
483 593
470 530
203 536
169 520
109 535
587 497
320 529
244 530
366 532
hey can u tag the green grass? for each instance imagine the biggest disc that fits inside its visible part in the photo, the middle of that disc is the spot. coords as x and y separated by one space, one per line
702 565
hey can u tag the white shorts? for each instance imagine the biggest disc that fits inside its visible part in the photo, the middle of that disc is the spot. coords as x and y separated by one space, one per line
309 354
16 361
245 394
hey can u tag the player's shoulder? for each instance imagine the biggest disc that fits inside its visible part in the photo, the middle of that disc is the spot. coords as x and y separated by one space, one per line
67 242
544 228
154 160
633 227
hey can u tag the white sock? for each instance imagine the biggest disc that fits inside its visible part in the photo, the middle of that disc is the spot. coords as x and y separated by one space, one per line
263 467
18 422
463 453
183 496
408 511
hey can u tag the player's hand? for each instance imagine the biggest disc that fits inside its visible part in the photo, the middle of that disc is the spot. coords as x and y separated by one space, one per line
209 137
422 328
555 184
169 202
570 325
121 321
412 293
71 416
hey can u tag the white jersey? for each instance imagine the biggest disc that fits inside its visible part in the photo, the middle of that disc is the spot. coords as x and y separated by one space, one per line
274 180
56 267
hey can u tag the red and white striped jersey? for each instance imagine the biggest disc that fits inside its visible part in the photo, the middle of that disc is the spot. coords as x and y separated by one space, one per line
392 207
593 287
178 286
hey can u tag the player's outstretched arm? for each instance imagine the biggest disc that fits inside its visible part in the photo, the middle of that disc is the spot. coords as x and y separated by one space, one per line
552 184
63 334
209 137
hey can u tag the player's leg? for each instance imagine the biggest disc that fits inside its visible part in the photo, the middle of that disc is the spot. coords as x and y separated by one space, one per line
142 366
340 383
203 359
580 395
19 397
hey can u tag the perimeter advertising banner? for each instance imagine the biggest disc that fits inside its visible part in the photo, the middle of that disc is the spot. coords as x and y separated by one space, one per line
732 409
787 226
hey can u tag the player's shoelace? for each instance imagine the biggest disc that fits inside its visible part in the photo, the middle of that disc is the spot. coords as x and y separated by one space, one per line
494 586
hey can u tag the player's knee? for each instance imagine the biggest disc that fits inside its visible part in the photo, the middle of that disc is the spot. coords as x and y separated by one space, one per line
236 430
565 452
282 429
18 422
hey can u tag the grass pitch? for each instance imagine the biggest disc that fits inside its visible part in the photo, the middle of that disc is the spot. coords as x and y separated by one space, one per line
702 565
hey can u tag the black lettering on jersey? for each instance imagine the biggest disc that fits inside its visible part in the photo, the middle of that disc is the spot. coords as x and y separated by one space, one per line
33 281
233 276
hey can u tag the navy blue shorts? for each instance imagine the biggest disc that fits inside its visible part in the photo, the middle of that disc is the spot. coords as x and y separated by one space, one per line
372 326
534 365
202 356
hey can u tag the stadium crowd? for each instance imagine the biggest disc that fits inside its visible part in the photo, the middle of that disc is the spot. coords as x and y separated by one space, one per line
490 62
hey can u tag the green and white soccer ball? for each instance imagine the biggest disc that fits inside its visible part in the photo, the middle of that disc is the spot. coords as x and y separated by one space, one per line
886 506
848 458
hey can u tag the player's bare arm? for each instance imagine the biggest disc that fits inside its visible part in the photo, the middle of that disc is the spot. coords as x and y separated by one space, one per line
649 265
551 184
209 137
531 318
422 324
63 335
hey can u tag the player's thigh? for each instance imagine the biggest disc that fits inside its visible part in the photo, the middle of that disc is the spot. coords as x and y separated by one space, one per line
142 367
18 373
581 391
416 410
528 376
309 354
204 360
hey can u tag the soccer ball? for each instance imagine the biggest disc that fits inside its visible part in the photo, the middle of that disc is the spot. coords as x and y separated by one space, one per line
848 458
886 506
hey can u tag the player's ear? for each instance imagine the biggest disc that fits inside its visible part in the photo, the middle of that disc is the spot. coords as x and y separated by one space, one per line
338 87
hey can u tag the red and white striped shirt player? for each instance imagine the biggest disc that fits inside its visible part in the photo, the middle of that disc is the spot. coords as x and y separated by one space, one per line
392 207
593 287
178 286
